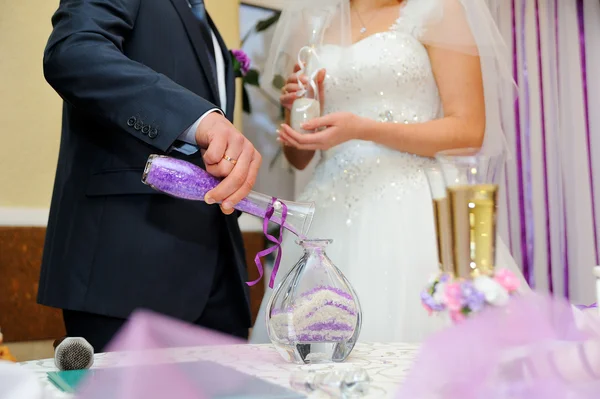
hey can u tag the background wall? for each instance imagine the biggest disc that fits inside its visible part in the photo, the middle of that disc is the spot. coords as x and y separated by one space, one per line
30 110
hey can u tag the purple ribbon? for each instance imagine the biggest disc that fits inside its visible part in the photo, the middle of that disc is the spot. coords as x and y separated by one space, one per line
564 225
544 147
581 23
523 209
583 307
276 241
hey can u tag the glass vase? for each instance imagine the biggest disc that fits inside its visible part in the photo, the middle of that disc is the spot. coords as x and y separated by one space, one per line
314 315
308 104
185 180
472 184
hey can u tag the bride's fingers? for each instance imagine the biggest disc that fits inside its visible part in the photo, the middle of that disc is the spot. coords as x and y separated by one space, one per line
313 141
291 88
293 79
321 75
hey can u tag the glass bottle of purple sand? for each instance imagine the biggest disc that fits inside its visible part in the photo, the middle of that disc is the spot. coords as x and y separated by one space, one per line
182 179
314 315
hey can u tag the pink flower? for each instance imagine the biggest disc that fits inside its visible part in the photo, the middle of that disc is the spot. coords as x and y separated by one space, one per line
507 280
453 297
457 316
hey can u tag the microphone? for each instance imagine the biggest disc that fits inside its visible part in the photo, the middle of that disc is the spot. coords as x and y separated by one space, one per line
73 353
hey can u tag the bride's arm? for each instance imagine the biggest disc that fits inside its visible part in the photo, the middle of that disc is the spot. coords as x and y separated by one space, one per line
460 85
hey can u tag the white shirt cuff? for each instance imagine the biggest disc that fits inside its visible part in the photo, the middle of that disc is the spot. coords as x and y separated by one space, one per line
189 135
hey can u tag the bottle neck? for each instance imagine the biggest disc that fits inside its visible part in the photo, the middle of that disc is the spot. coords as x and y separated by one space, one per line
314 247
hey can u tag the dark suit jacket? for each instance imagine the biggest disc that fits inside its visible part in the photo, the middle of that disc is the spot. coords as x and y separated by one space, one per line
133 75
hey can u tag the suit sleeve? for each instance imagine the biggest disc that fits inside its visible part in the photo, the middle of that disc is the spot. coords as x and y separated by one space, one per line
85 63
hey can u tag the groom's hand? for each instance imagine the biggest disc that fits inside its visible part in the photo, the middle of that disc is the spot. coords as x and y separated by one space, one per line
230 155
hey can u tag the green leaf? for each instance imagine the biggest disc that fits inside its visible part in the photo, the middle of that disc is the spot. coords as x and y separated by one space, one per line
252 77
246 101
265 24
237 68
278 82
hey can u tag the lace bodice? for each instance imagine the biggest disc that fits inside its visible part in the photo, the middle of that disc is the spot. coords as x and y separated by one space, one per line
386 77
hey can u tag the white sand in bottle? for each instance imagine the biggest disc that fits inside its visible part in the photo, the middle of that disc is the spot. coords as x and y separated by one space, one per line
303 110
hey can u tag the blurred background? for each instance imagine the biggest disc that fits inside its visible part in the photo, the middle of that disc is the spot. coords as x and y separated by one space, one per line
549 215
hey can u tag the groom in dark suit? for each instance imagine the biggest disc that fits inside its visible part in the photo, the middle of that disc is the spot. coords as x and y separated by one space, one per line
137 78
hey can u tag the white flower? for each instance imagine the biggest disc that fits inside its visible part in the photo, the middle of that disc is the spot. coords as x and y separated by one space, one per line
494 293
438 295
433 278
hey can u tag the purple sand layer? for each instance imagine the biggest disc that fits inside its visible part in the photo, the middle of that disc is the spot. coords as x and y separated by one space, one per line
185 180
340 306
329 325
315 290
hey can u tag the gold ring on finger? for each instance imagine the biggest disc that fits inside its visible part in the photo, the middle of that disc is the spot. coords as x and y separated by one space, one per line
228 158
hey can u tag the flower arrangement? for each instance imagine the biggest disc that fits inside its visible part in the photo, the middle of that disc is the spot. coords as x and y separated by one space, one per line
241 62
463 297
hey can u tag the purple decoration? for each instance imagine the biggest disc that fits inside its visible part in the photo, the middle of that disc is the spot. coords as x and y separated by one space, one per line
474 299
564 225
527 169
544 148
243 60
518 145
428 301
584 307
582 48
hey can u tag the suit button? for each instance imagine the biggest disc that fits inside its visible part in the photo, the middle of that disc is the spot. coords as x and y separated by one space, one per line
131 121
146 129
153 133
138 125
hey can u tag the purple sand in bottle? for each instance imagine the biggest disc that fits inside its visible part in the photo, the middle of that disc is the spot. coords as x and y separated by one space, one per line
323 314
183 179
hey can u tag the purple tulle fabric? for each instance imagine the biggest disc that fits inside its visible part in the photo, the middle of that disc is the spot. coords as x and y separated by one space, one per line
536 347
158 357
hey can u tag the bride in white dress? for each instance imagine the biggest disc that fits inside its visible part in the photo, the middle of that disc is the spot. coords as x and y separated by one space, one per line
395 101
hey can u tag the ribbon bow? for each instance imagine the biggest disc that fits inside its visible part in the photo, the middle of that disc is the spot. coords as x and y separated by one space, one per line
277 241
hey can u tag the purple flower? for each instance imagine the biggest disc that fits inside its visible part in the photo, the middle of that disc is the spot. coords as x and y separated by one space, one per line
241 61
445 277
474 299
429 302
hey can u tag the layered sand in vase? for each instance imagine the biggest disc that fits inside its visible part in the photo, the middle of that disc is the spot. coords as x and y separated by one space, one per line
324 314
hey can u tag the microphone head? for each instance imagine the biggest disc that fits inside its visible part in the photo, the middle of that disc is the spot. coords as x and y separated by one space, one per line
73 354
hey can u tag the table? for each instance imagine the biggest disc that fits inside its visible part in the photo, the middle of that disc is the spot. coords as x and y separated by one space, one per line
387 364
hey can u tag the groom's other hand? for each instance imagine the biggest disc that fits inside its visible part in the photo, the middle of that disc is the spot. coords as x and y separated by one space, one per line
230 155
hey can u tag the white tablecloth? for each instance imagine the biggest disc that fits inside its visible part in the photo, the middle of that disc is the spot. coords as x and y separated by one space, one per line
387 364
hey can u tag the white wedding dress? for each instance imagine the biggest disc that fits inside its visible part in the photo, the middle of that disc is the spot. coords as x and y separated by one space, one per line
374 202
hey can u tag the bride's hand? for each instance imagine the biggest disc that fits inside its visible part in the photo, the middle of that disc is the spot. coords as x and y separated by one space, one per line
290 89
338 127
